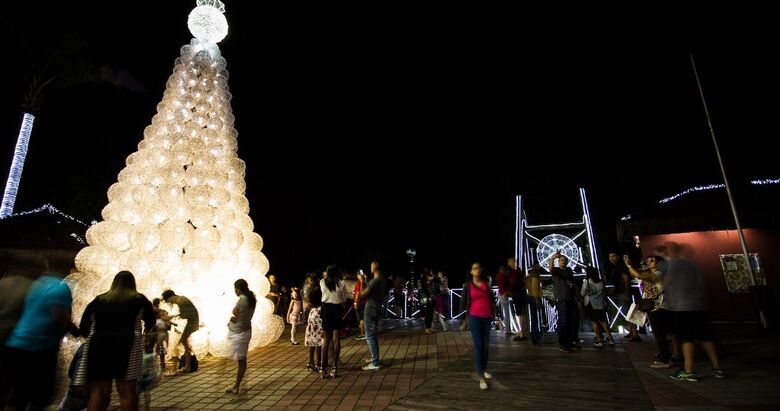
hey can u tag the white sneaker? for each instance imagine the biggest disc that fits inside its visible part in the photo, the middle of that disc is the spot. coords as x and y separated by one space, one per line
370 367
488 375
483 385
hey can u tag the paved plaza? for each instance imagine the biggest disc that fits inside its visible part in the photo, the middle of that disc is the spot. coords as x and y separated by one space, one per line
435 371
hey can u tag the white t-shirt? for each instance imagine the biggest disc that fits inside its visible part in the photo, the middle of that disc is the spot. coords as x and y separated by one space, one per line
244 316
338 296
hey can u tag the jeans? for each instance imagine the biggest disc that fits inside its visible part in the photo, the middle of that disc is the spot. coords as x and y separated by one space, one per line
535 319
370 323
506 313
427 311
660 320
480 335
566 311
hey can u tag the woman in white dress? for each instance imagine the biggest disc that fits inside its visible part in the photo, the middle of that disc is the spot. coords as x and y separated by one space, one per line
240 329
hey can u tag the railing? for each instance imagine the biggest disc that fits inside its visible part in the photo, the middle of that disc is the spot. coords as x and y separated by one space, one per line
545 316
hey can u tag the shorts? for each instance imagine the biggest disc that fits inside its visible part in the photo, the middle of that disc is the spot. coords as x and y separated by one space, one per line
692 326
191 327
331 317
361 311
597 314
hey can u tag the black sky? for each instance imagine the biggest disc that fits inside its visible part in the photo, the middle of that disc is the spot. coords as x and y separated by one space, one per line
406 127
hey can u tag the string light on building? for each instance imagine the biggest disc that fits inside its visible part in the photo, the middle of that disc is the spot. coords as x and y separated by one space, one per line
691 190
766 181
50 209
177 217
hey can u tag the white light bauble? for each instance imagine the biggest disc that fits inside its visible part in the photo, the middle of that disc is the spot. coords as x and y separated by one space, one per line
254 241
207 24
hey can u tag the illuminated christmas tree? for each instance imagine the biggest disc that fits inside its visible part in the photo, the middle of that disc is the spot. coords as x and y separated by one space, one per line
177 217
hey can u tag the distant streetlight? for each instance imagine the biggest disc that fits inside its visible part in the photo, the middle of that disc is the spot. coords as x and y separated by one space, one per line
411 253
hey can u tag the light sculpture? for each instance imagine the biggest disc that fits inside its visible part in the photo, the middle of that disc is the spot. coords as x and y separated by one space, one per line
177 216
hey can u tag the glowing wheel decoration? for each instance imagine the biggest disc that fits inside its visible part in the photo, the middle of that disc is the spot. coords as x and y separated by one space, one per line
551 243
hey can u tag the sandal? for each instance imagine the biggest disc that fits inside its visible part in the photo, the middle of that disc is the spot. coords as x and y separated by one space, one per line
311 367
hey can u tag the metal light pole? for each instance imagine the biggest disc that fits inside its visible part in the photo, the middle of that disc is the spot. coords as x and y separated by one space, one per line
751 275
411 253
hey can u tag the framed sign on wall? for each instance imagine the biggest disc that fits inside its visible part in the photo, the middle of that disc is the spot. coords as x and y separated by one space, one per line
736 273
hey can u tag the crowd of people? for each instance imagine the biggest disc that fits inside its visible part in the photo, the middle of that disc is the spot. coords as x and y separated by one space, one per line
127 338
665 293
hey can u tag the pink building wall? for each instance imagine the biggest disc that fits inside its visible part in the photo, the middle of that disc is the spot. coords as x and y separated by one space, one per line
705 247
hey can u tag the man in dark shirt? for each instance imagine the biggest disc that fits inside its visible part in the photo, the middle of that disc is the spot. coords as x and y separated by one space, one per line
188 312
505 283
519 297
374 295
563 280
685 298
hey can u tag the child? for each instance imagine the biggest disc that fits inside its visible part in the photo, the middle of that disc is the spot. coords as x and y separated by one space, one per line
314 331
150 370
77 397
161 327
295 313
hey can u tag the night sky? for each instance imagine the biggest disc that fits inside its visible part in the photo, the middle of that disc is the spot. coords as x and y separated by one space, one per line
402 128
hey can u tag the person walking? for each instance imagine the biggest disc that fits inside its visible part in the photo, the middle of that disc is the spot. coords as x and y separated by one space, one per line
30 364
684 297
478 301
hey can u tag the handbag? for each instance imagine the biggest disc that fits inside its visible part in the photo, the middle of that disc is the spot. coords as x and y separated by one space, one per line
193 363
646 304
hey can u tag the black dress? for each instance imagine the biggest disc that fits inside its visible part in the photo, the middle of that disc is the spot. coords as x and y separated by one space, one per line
114 346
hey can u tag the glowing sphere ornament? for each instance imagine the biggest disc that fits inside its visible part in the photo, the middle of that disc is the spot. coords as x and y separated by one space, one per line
207 23
177 217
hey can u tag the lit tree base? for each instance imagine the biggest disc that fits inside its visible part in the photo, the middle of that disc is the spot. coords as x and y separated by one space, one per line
177 217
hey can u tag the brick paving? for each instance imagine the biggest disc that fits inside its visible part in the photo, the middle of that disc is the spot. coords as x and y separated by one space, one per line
747 354
276 377
421 371
535 377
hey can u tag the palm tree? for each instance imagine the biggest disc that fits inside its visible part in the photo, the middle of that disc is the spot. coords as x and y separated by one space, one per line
64 67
